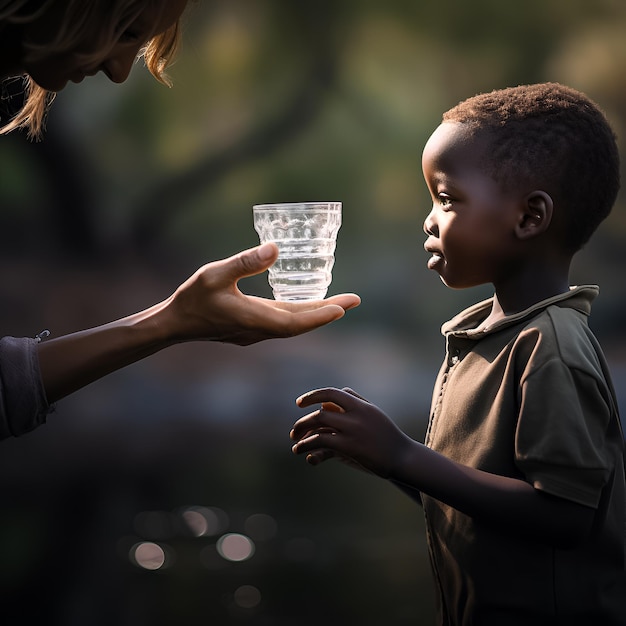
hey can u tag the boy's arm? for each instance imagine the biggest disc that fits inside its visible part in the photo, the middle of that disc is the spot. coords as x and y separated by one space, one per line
363 434
413 493
491 499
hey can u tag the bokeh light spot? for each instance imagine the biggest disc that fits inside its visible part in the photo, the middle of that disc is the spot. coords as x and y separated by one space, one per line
148 555
261 526
204 521
196 522
235 547
247 597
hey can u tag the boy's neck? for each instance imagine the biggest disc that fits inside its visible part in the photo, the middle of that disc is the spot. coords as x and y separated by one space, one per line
526 291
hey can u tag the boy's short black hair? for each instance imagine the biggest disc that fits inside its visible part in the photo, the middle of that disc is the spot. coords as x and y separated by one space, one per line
553 137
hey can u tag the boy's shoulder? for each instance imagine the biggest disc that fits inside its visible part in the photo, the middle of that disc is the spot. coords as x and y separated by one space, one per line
561 331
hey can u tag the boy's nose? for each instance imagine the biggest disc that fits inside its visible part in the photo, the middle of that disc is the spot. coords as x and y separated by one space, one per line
430 226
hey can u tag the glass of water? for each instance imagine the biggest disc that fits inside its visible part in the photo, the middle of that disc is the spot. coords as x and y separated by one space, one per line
306 236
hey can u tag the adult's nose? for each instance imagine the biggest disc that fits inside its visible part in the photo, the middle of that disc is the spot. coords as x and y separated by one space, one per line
117 67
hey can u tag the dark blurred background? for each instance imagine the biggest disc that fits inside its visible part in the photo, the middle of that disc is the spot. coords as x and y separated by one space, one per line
167 493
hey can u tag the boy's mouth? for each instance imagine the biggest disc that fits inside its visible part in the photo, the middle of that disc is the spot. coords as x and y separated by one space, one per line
434 261
436 256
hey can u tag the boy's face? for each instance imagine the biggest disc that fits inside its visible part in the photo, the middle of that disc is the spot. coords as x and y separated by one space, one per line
471 224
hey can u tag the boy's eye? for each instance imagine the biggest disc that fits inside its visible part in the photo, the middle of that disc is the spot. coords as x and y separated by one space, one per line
444 200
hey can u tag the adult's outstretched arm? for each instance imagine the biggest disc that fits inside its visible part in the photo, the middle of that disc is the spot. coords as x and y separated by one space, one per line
208 306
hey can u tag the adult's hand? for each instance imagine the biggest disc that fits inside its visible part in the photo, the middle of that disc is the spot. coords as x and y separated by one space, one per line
207 307
210 305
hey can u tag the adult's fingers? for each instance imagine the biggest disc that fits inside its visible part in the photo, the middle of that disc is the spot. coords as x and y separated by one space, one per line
290 318
344 300
258 259
308 314
248 262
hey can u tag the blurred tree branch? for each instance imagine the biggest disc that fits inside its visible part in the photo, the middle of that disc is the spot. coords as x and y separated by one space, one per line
312 25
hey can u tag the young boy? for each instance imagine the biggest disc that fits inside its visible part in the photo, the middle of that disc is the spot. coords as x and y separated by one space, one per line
522 473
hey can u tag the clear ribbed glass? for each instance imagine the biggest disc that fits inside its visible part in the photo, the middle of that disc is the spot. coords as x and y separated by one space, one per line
306 235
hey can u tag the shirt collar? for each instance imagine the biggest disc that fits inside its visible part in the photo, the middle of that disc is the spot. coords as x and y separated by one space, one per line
464 324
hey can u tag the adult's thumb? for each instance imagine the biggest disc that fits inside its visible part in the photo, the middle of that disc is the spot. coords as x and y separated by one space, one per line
255 260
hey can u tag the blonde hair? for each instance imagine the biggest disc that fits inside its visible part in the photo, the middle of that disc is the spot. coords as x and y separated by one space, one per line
158 53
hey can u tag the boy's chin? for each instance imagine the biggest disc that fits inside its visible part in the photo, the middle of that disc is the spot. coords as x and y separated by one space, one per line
458 285
449 283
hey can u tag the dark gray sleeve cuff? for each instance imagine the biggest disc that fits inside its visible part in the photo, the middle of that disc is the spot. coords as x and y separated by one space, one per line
23 402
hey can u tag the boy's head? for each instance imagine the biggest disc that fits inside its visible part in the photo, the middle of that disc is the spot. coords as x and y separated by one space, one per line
553 138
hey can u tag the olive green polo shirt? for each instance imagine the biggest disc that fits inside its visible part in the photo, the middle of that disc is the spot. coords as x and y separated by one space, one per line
530 398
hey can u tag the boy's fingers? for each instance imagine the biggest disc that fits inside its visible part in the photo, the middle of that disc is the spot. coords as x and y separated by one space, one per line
355 394
331 406
317 443
304 427
339 397
324 420
319 456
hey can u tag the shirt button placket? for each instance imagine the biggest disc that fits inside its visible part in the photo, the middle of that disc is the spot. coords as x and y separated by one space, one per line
453 357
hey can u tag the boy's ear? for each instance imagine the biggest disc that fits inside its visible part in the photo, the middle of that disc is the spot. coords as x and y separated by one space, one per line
536 215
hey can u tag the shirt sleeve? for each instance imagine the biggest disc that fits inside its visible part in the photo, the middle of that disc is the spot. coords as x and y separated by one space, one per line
561 444
23 402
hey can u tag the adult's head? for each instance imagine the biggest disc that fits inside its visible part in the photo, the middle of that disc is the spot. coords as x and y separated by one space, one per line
52 42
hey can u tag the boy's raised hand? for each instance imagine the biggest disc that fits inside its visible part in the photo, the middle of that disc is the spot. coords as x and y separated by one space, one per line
349 428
